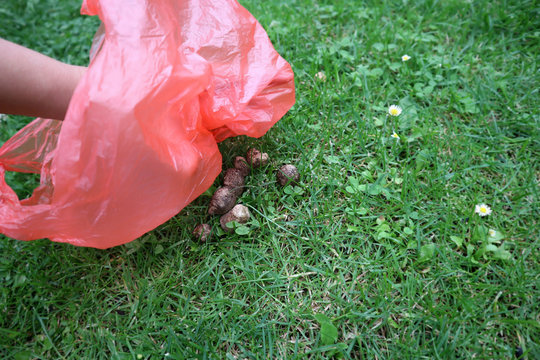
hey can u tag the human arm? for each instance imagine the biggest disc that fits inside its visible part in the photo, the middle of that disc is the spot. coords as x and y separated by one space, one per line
33 84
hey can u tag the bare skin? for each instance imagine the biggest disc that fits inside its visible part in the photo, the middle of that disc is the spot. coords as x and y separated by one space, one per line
33 84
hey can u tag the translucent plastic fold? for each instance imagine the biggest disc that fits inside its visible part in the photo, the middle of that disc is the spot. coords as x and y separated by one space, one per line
167 81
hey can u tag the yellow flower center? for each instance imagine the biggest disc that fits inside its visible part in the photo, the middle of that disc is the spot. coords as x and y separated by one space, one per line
394 111
483 210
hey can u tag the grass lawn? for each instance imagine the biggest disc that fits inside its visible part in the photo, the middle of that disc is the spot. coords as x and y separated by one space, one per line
377 254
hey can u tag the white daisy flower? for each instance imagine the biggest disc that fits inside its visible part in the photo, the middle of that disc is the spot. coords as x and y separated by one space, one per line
394 135
394 110
492 232
321 76
482 210
405 58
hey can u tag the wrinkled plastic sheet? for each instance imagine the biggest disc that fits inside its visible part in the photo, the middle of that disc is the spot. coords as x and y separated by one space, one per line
167 81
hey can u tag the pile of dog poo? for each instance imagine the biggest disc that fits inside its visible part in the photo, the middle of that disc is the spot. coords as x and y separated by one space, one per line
224 200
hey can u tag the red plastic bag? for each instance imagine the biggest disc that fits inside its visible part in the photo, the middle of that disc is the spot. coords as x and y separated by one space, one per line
139 141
